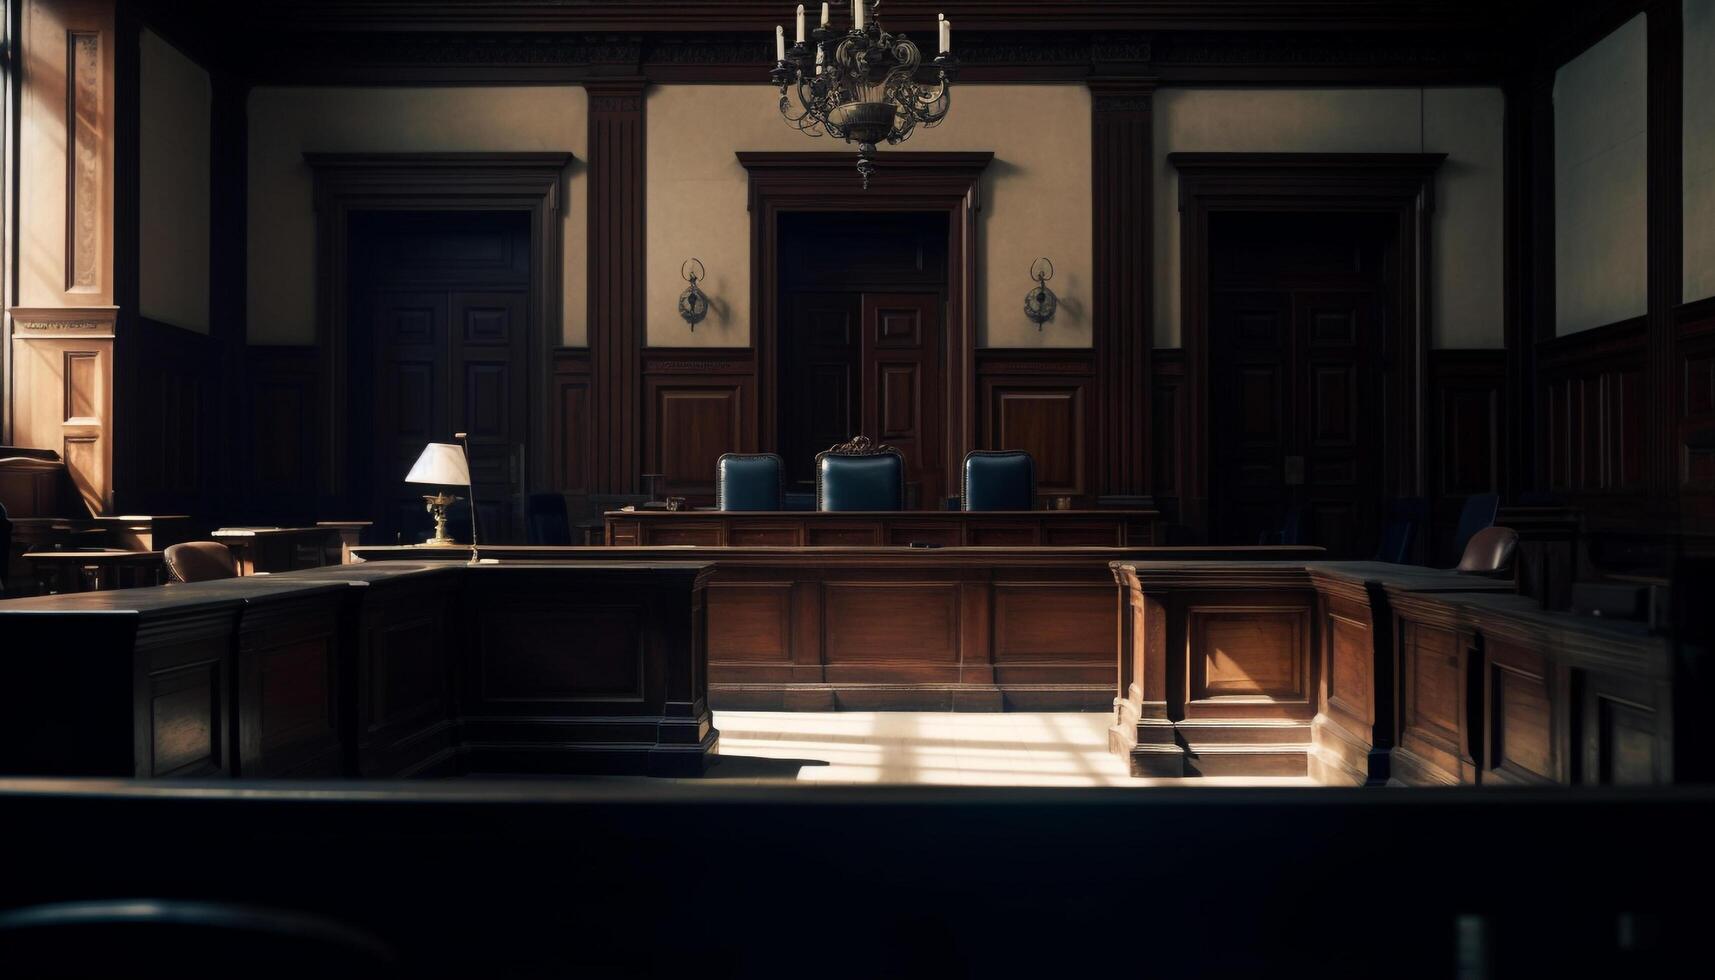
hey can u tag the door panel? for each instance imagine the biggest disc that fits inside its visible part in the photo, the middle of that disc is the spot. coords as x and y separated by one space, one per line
1339 443
1251 411
489 402
902 407
819 369
412 398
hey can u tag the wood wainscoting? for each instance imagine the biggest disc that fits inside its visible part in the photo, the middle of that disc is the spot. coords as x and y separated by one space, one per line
283 402
867 628
1044 402
697 404
1465 441
571 423
1695 444
1592 412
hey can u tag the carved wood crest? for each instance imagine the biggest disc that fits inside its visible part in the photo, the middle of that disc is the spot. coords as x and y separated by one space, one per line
860 446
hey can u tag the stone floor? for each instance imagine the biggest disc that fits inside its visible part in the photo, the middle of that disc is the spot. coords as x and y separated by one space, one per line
931 748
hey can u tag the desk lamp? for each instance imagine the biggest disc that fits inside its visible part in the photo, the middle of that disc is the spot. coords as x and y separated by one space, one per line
442 464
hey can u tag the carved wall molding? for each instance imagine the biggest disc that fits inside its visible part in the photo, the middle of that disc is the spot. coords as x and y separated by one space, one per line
985 56
72 321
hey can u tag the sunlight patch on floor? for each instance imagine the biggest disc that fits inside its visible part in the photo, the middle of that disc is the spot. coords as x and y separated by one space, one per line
931 748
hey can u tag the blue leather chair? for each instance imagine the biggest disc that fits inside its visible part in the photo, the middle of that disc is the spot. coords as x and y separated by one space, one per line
860 476
998 480
748 481
1404 517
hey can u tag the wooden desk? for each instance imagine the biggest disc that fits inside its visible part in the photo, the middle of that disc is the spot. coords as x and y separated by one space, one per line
380 670
1353 731
94 569
966 629
800 528
283 549
1493 689
1360 672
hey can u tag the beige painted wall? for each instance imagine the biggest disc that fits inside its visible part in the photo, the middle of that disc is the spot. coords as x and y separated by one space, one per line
1698 177
1466 295
1600 153
287 122
176 106
1035 201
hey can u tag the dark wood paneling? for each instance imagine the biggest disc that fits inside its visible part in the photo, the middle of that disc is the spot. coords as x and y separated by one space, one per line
1247 653
616 264
289 655
1523 708
1043 402
1053 528
1167 419
1468 399
866 628
172 422
284 398
1592 416
1122 311
1695 440
717 41
571 423
697 404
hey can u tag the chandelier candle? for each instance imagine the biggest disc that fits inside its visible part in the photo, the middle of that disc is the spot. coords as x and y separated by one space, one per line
862 85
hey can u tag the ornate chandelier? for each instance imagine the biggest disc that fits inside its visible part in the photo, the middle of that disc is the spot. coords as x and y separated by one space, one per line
861 84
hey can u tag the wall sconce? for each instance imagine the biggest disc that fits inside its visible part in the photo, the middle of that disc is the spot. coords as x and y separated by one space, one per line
693 305
1040 303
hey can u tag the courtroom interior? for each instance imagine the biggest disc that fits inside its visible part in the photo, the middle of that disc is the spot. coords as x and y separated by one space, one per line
962 488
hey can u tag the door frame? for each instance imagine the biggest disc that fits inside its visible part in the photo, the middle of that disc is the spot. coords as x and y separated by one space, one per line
903 181
348 182
1401 184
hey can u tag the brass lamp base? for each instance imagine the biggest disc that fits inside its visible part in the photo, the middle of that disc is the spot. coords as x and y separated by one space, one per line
436 504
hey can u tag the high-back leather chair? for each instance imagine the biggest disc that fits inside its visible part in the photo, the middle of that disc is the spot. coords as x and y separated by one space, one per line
200 561
748 481
997 480
860 475
1490 551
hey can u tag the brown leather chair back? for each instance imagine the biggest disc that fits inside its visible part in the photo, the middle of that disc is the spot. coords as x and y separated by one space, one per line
200 561
1490 552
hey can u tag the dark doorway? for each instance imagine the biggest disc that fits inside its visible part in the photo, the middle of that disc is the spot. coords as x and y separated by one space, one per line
439 320
1298 315
861 341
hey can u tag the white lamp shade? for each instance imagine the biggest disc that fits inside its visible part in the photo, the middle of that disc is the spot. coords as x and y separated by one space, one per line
442 463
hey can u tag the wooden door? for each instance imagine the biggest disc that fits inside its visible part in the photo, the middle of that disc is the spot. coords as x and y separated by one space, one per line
820 374
902 393
1295 393
1294 416
440 325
